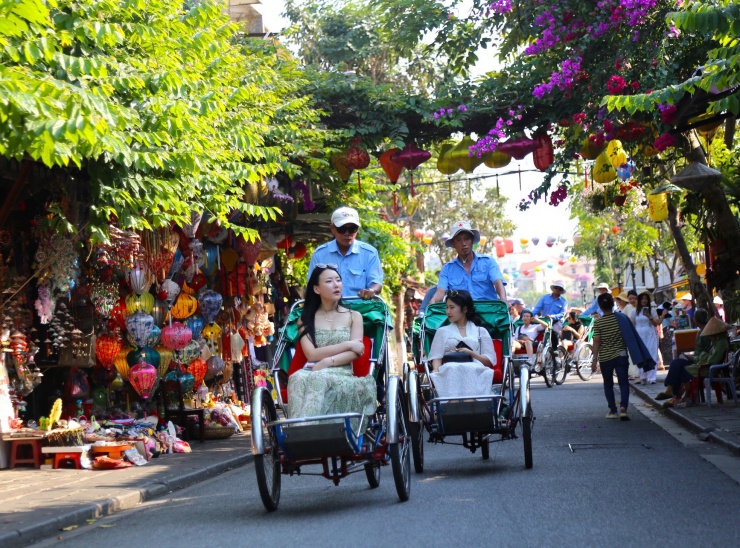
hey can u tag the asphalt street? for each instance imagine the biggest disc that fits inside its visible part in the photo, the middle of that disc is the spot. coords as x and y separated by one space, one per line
594 482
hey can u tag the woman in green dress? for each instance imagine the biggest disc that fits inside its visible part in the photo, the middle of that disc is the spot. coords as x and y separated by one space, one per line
330 336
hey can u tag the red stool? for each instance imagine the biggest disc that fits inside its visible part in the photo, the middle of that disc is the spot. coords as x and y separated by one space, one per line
17 445
65 458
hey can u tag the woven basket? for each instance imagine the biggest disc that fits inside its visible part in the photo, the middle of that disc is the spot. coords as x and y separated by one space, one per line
219 432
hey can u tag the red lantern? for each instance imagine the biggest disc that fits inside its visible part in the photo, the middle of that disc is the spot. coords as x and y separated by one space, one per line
544 156
500 249
106 349
198 369
411 157
561 262
298 251
117 318
509 245
248 250
286 243
176 336
616 230
143 377
418 234
357 158
518 147
392 169
199 281
525 272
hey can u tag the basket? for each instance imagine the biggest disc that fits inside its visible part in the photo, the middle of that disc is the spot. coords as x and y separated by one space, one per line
219 432
73 437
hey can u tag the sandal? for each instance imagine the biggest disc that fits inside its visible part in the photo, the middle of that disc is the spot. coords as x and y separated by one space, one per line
663 396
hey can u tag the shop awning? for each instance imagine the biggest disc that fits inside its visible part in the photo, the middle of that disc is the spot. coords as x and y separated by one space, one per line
674 285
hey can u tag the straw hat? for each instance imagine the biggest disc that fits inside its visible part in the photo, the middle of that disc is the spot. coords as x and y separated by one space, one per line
623 297
645 292
714 327
686 297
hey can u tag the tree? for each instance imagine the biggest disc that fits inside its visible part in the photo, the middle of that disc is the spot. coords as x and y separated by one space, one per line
163 109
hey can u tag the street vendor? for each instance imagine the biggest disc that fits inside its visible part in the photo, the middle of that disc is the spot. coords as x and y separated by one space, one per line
477 274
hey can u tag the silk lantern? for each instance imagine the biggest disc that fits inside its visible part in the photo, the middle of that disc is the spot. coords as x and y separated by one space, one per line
215 366
460 154
496 159
411 157
590 150
625 171
535 241
152 339
107 347
445 164
603 171
544 156
143 377
509 245
117 317
249 251
615 152
159 312
145 354
190 228
658 207
198 369
184 307
198 282
392 169
176 336
187 383
518 147
500 249
168 292
121 362
339 162
298 251
190 352
139 326
210 304
140 279
165 358
143 302
195 323
357 158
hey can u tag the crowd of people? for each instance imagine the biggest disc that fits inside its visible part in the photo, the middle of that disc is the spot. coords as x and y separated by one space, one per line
631 336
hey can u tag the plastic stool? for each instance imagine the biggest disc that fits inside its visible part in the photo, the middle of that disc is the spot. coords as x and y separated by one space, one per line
64 458
17 445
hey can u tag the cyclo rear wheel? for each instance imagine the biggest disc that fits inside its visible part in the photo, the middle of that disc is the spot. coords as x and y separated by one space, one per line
400 451
559 370
416 429
267 466
583 361
527 437
547 367
372 471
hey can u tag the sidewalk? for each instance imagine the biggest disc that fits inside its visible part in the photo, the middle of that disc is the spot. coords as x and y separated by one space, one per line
719 423
38 503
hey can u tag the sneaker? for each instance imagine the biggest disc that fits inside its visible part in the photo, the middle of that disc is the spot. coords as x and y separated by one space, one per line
623 416
612 415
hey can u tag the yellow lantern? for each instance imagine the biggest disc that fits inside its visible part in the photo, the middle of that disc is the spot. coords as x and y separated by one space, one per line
184 307
229 258
603 171
524 241
482 241
211 332
572 259
460 155
121 362
658 207
143 302
615 152
445 164
496 159
187 289
165 358
590 150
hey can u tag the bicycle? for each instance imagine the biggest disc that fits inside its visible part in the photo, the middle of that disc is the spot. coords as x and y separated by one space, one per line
551 361
582 355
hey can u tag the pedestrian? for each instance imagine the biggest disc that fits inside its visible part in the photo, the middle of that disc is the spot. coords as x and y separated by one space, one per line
594 308
477 274
646 325
610 351
357 262
553 306
688 307
666 343
719 304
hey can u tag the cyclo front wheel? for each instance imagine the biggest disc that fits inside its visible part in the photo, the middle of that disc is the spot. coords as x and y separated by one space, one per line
399 451
527 437
547 367
267 465
584 358
558 367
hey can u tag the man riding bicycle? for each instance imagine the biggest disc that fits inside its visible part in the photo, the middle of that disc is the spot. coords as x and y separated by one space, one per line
553 306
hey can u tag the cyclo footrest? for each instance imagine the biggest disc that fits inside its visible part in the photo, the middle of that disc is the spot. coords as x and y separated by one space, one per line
468 415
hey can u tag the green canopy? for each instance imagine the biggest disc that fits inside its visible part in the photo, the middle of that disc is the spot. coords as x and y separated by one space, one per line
494 317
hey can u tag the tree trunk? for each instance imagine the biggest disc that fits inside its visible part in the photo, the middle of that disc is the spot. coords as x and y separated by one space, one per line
698 289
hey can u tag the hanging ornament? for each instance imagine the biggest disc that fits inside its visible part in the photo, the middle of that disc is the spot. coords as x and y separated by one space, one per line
215 367
496 159
165 358
145 354
229 258
190 352
190 228
590 150
603 171
577 239
184 307
460 154
615 152
500 249
518 147
658 207
573 259
152 339
339 162
143 302
535 241
523 241
176 336
544 156
139 279
508 245
210 304
625 170
121 362
198 369
159 312
357 158
168 292
445 164
107 347
616 230
392 169
249 251
139 326
411 157
195 323
144 378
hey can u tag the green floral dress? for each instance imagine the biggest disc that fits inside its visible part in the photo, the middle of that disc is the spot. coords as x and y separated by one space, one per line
333 389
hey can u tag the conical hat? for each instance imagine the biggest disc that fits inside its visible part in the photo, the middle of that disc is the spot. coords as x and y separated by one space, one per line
623 297
714 327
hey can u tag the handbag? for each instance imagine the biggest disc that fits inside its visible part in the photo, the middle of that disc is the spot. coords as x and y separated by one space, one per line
456 357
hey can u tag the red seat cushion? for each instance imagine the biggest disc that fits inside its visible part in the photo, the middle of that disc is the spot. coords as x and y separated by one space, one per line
498 369
360 367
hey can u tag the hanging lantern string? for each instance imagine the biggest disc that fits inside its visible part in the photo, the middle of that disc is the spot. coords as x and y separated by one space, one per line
52 259
450 180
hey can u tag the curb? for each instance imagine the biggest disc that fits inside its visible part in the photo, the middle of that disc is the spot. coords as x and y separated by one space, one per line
125 501
697 426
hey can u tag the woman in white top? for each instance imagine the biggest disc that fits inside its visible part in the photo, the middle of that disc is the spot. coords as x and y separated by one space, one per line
646 324
455 379
525 335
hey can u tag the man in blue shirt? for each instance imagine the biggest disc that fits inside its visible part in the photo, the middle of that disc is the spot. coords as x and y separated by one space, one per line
479 275
357 262
553 306
594 308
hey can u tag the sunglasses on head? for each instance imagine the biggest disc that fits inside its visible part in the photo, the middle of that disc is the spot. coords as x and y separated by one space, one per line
328 265
347 229
453 293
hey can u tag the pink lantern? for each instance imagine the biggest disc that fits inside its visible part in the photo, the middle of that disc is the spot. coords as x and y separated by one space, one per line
509 245
518 147
176 336
143 377
411 157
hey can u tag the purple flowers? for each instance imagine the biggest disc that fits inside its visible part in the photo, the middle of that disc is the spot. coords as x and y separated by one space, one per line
563 80
664 141
500 6
667 113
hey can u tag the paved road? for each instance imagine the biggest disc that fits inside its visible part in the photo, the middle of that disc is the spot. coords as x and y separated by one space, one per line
618 484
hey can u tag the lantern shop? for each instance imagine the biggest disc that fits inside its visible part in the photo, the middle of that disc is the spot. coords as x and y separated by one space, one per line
146 342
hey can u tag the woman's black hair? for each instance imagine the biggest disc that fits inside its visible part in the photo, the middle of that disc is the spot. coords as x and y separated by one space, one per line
526 311
463 299
573 315
632 292
312 304
639 307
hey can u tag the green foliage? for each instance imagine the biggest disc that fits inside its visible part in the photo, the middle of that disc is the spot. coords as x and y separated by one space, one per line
166 108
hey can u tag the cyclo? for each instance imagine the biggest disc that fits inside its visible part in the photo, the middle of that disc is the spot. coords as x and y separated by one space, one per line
550 360
582 353
343 443
478 419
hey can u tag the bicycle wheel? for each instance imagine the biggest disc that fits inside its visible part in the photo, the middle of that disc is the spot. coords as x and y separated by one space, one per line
527 438
416 430
372 471
583 361
547 368
267 465
400 451
558 367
